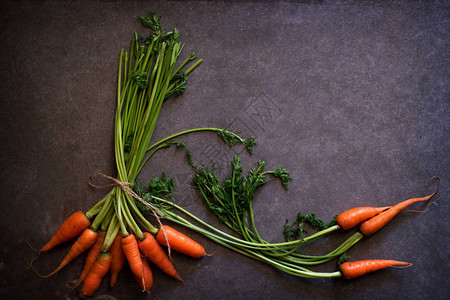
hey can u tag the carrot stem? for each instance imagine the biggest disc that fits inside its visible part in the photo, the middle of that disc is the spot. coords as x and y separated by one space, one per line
107 219
97 207
119 213
111 233
266 249
173 216
102 214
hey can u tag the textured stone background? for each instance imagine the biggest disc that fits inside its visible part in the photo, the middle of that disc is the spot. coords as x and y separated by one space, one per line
350 96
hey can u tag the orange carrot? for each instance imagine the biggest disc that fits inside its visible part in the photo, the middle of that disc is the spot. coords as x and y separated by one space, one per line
131 250
358 268
92 255
352 217
374 224
146 282
118 258
84 242
72 227
180 242
96 274
153 251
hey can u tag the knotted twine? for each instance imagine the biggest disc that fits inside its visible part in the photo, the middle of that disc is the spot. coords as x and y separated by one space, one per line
125 186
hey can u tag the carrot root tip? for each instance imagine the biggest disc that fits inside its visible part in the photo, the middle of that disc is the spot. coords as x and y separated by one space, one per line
39 274
32 261
29 245
404 266
181 290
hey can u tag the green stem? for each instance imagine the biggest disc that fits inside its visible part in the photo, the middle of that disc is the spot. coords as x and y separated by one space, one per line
121 218
265 244
97 207
253 223
286 267
128 217
195 65
101 215
183 133
111 233
107 219
356 237
233 200
140 218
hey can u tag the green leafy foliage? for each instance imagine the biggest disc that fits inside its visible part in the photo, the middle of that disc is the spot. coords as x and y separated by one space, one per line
342 259
283 175
232 139
231 199
179 80
249 144
181 145
161 187
152 21
138 187
140 77
297 228
158 187
128 143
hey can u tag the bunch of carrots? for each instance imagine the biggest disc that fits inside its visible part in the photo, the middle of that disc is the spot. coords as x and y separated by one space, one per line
104 256
114 231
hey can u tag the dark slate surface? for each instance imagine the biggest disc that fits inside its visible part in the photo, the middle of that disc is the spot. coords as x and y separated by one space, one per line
350 96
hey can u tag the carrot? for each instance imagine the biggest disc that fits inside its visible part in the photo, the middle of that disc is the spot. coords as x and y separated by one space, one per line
131 250
96 274
72 227
352 217
146 282
152 250
92 256
358 268
374 224
84 242
180 242
118 258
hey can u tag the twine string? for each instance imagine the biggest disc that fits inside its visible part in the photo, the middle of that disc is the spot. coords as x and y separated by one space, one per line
125 186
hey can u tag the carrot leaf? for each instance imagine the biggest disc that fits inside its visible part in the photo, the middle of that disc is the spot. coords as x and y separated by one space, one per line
231 199
232 139
342 259
296 228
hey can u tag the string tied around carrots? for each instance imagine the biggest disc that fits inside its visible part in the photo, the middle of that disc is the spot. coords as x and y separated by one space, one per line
125 186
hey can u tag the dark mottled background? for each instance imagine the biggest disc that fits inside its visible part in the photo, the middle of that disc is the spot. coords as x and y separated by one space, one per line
350 96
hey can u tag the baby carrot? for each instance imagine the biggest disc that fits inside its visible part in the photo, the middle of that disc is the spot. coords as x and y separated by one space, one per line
146 281
92 255
352 217
72 227
180 242
153 251
84 242
358 268
117 258
374 224
131 250
96 274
